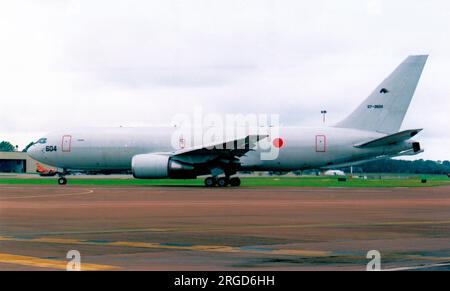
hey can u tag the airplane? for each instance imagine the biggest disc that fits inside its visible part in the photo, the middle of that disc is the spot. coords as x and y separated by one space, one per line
369 133
43 172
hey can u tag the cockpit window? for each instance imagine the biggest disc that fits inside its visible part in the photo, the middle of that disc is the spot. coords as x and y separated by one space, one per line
42 140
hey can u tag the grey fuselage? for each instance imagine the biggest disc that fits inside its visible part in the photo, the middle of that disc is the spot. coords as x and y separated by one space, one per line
112 149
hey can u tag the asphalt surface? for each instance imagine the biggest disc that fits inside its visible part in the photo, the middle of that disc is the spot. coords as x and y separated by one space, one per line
195 228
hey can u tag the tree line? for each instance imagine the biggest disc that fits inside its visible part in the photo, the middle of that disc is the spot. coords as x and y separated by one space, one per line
6 146
401 166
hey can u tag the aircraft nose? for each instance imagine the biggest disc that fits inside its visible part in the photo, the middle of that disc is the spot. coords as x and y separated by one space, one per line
35 152
32 151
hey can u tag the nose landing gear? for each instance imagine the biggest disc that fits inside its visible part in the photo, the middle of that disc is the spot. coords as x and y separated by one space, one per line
62 177
62 181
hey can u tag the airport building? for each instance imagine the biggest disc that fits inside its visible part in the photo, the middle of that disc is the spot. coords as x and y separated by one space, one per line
17 162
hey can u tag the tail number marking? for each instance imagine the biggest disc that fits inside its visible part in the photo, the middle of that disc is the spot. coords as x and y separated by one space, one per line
51 149
376 106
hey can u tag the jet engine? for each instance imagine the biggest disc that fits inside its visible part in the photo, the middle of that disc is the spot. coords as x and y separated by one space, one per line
158 166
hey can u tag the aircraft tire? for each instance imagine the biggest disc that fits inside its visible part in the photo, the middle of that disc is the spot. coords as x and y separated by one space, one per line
62 181
223 182
210 182
235 182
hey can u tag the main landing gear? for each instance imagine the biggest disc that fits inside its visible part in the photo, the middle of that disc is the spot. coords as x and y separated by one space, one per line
222 182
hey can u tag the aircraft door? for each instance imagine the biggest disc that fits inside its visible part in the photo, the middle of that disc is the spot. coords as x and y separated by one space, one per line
66 143
321 143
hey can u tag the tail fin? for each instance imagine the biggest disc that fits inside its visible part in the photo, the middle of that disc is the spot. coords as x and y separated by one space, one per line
385 108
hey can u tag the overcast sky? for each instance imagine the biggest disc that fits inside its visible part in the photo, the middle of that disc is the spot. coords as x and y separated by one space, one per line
65 64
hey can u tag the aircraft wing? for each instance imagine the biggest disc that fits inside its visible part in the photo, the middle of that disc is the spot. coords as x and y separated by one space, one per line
227 151
390 139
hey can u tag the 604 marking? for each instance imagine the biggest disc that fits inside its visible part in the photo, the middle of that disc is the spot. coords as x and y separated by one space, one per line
51 149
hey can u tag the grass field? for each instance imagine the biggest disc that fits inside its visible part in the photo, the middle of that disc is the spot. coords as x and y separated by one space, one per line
385 181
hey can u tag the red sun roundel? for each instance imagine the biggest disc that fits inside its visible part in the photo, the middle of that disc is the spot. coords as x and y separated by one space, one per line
278 143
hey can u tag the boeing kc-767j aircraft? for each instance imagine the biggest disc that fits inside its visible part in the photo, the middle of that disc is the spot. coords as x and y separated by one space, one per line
370 132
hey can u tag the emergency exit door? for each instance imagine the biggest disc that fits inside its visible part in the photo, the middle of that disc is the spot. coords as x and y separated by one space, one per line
66 140
321 143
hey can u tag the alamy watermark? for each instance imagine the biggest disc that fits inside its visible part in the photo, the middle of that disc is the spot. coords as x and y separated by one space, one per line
375 260
74 263
259 131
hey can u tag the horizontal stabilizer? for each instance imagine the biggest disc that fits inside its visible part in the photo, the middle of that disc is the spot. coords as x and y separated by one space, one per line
390 139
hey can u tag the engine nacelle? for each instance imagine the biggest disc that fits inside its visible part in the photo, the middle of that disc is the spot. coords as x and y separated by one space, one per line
156 166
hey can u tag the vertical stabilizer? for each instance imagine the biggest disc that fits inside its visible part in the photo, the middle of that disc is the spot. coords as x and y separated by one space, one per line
384 110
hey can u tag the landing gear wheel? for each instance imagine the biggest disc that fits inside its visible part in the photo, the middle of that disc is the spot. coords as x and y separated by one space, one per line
223 182
62 181
235 182
210 182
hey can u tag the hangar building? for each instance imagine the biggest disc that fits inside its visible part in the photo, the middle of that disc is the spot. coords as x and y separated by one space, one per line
17 162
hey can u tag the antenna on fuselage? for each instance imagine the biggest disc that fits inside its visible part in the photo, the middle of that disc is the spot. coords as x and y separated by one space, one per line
324 113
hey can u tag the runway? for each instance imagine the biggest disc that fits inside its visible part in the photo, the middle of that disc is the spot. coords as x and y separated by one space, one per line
196 228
